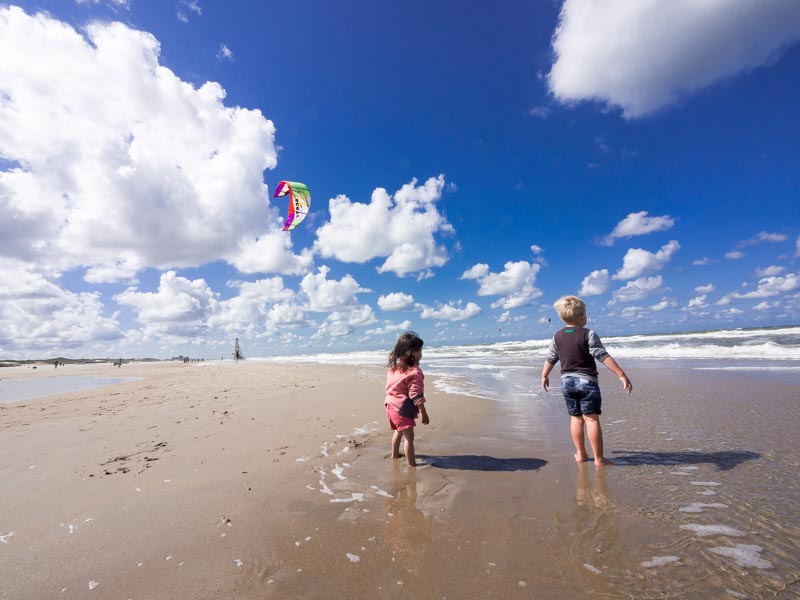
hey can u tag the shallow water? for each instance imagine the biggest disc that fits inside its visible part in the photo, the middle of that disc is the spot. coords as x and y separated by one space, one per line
16 390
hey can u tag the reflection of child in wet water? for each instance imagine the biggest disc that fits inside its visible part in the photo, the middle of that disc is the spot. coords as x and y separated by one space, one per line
577 348
405 394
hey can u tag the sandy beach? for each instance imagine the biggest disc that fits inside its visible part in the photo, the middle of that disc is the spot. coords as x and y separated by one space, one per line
260 480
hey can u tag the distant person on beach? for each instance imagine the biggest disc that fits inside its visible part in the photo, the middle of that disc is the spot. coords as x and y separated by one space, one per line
405 394
577 348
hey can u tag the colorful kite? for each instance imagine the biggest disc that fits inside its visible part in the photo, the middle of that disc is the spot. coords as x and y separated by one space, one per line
299 202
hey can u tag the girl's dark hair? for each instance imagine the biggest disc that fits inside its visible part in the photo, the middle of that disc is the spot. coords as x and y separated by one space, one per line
402 356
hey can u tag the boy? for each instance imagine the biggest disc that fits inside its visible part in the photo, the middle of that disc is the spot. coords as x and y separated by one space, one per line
577 348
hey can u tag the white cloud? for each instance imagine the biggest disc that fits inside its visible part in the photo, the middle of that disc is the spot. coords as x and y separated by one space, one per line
797 247
330 294
734 255
770 271
595 283
664 304
705 289
389 327
702 262
515 283
767 305
637 261
772 286
180 307
637 289
132 167
343 323
224 52
189 6
401 229
396 301
763 237
258 303
36 313
698 302
476 271
646 55
452 311
638 224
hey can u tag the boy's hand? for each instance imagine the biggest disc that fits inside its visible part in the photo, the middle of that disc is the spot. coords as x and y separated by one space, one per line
626 383
545 382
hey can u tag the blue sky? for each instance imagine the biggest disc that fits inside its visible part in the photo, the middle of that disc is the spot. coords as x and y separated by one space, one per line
467 168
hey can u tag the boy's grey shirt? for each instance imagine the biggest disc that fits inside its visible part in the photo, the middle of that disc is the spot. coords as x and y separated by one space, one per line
577 348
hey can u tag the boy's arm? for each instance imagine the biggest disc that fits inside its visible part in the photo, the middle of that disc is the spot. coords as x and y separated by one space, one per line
612 366
548 366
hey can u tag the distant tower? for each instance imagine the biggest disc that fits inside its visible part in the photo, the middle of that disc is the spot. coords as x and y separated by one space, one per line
237 352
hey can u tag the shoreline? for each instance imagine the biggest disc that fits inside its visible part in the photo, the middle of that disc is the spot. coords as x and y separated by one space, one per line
272 480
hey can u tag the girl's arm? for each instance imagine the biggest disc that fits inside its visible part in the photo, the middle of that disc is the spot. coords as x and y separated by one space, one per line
424 414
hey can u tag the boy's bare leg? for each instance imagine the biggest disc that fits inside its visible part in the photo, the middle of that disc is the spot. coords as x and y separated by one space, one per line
408 446
595 434
396 437
576 429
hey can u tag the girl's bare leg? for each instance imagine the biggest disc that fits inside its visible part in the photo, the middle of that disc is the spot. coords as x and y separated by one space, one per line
576 429
408 446
595 434
396 437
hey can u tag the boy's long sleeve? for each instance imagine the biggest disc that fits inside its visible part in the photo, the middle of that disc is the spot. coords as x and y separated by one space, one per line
596 347
552 352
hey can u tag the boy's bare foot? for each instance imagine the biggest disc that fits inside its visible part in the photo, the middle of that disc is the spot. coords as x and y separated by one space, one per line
412 464
581 457
603 462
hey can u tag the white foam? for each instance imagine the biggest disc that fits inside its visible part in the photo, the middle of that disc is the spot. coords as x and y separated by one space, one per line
678 473
522 584
594 570
705 530
301 459
706 483
697 507
354 497
659 561
337 470
736 594
238 562
707 493
689 468
353 557
745 555
381 492
8 535
93 584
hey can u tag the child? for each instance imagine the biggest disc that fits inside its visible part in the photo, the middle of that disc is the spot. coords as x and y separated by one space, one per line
405 394
577 348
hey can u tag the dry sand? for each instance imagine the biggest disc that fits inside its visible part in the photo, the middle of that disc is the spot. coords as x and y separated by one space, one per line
257 480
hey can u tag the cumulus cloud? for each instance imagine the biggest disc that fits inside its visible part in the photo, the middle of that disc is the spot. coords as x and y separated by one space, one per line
645 55
705 289
401 229
700 262
638 261
342 323
188 6
638 224
734 255
797 248
132 167
389 327
514 283
771 286
38 314
262 303
452 311
224 52
396 301
180 306
766 305
637 289
330 294
595 283
698 302
663 305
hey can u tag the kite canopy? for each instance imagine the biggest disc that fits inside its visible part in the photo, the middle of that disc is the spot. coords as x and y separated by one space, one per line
299 202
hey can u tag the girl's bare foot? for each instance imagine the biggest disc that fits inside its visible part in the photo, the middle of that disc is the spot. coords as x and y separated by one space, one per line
412 464
581 457
603 462
397 456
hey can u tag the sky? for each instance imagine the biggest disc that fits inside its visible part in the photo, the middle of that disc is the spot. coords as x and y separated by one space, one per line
467 168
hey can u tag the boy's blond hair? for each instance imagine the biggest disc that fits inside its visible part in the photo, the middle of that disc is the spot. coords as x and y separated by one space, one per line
570 309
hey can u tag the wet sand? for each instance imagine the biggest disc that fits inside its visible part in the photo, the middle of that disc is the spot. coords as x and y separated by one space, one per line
256 480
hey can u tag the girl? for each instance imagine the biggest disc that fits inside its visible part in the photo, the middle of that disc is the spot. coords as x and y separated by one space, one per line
405 394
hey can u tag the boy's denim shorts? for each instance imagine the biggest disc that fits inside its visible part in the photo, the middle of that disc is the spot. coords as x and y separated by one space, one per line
582 396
